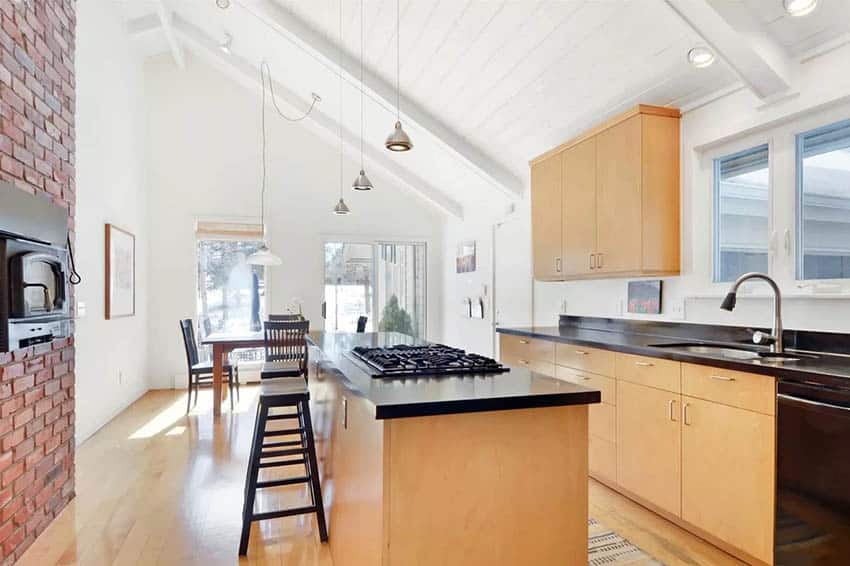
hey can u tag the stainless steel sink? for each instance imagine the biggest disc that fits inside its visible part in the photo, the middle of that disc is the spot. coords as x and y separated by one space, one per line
735 353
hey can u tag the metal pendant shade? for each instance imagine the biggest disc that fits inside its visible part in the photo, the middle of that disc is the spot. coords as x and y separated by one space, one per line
341 207
398 140
264 256
362 182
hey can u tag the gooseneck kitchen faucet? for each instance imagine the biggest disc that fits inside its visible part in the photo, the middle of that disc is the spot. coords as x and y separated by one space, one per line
775 339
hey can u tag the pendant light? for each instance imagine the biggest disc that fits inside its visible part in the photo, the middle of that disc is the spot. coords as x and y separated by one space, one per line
340 208
264 255
398 140
362 182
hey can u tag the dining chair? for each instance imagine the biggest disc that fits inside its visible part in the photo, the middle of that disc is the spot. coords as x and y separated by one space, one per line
285 349
201 373
361 324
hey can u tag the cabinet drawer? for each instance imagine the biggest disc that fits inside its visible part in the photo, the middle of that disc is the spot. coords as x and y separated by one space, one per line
652 372
587 359
521 348
602 458
602 421
735 388
606 385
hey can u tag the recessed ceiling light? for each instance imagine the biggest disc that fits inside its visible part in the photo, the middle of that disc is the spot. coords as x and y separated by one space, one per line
799 7
223 4
225 45
701 57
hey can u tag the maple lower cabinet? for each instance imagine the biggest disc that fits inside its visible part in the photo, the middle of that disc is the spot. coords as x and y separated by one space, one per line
649 457
546 219
728 463
617 190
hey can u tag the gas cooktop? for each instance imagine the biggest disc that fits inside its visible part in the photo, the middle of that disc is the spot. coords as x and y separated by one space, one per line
434 359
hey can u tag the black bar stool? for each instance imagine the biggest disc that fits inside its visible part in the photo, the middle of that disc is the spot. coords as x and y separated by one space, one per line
285 348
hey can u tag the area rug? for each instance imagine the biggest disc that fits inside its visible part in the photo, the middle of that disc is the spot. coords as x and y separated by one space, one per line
607 548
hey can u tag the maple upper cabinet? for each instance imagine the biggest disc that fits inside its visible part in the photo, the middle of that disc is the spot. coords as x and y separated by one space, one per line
619 200
546 219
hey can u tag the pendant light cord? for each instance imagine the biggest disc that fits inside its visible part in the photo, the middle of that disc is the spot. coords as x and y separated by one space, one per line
397 59
263 146
361 84
265 71
340 100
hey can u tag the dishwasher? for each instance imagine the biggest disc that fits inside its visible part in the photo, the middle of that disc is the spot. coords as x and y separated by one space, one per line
812 474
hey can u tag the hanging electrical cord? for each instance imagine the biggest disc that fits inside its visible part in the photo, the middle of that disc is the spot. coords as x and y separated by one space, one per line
74 278
266 71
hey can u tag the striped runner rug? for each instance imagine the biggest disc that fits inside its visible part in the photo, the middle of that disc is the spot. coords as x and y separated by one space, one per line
607 548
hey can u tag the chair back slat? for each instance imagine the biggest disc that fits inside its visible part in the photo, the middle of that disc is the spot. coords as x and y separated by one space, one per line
286 317
286 341
187 329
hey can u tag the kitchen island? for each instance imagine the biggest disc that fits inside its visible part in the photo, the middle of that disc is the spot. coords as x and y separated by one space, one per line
451 470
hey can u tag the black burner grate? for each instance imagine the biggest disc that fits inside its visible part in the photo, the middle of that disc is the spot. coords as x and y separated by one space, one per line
433 359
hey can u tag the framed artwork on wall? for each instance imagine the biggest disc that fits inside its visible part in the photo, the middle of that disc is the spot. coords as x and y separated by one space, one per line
120 273
465 259
645 297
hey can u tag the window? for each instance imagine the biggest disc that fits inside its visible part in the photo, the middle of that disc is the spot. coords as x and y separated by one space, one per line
230 293
741 212
383 281
823 202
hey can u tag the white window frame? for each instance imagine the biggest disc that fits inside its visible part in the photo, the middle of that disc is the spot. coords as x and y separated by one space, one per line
798 209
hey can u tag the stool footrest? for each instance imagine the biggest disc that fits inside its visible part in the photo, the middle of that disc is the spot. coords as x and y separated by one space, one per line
284 432
280 483
282 444
282 463
281 417
279 453
282 513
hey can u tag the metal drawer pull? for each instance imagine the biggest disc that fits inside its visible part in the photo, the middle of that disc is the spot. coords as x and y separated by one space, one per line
344 413
685 414
644 364
524 342
670 405
598 261
524 362
581 352
592 261
722 378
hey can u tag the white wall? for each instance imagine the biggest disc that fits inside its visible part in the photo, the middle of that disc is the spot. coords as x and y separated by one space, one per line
111 356
732 123
204 147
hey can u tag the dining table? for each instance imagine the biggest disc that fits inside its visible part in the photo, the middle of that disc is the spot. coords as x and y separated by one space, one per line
222 344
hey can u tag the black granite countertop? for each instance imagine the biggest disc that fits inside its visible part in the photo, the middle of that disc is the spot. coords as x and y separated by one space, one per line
828 369
518 388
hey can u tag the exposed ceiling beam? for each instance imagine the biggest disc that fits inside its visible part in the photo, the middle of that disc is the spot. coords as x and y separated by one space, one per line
248 75
741 40
166 18
144 25
307 38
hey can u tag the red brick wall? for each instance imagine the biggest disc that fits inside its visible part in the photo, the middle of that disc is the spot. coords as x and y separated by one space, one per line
37 155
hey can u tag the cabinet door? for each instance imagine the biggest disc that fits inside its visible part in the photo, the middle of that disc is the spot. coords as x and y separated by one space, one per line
649 444
728 474
546 218
579 208
618 197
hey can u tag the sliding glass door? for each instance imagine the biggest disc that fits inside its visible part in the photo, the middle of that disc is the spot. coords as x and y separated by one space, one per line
382 281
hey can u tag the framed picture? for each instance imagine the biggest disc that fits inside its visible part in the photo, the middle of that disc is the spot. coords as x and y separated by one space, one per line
120 273
465 260
645 297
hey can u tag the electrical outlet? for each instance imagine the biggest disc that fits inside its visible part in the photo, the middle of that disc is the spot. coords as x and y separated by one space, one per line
81 309
677 310
618 307
564 306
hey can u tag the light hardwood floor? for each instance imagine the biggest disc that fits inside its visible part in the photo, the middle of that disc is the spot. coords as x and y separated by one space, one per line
155 486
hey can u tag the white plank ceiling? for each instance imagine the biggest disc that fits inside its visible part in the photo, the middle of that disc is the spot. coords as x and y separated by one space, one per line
509 78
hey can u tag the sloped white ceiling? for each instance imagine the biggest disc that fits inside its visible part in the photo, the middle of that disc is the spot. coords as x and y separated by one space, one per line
508 79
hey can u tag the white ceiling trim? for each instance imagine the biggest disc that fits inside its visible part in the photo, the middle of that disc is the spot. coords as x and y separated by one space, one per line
761 62
327 53
166 18
247 74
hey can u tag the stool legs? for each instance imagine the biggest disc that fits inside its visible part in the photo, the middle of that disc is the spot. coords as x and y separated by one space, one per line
304 451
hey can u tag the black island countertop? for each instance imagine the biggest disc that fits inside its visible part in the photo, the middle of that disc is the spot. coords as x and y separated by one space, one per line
425 395
830 367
